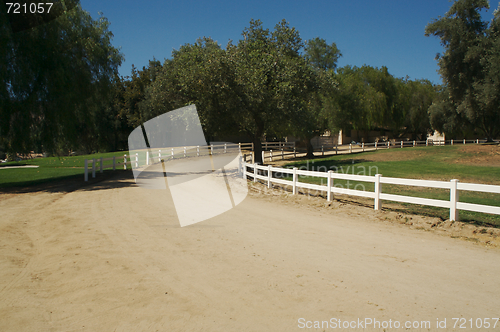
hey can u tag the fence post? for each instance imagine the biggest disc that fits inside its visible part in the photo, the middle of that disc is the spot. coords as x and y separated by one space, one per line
477 141
453 200
376 146
271 155
451 142
198 150
294 182
464 141
350 147
329 186
254 172
426 142
282 154
225 147
388 144
212 149
294 153
322 151
86 176
114 163
401 144
136 159
93 167
147 157
414 143
336 149
245 169
125 162
263 156
269 172
378 190
172 153
363 146
266 145
239 147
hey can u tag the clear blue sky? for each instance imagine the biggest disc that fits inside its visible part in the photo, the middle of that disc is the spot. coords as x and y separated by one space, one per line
374 32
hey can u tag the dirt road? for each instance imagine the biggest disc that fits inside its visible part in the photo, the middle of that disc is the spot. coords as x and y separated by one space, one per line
111 257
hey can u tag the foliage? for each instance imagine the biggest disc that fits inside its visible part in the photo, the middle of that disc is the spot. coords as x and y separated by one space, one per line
55 81
258 86
321 55
469 65
412 111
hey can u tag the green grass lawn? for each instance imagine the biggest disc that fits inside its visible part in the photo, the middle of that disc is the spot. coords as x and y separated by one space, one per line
430 163
50 169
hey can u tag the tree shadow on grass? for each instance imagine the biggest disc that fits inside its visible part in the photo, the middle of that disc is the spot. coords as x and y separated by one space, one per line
66 184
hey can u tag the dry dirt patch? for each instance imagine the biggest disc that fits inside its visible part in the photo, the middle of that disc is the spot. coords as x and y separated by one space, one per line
354 206
484 155
111 257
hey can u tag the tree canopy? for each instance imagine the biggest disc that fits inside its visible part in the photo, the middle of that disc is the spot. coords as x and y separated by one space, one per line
469 68
55 81
257 86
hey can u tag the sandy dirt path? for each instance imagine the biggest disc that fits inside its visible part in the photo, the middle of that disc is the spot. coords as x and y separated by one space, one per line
111 257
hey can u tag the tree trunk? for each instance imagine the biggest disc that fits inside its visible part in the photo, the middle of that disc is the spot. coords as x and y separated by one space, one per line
310 148
257 149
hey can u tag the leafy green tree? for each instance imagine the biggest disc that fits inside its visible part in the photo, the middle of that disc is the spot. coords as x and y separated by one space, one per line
134 93
317 116
443 116
273 81
200 74
366 99
487 89
258 86
412 107
469 65
55 80
321 55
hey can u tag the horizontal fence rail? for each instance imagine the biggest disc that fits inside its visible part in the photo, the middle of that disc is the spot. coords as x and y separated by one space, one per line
271 151
146 157
265 174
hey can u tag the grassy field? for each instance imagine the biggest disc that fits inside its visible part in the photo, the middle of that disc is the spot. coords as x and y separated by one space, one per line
49 169
472 163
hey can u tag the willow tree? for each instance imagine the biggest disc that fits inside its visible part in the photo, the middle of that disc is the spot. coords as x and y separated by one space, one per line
56 78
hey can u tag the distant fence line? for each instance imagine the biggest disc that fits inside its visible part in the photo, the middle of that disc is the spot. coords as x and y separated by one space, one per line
287 151
281 150
267 175
147 157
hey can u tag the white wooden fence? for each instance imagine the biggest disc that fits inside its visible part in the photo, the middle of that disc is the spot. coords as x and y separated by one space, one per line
282 151
149 156
266 175
91 165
